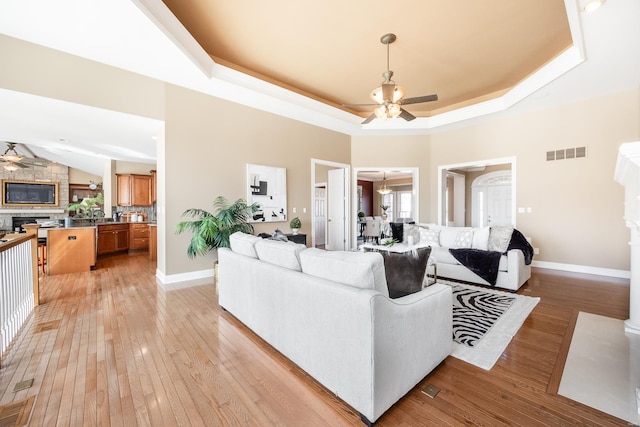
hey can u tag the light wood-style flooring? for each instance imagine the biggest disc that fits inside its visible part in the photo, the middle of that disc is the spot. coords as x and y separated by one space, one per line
113 347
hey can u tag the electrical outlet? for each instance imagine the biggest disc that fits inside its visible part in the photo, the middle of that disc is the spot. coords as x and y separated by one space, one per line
304 210
536 251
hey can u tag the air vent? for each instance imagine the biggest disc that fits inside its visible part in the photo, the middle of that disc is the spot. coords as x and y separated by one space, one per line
567 153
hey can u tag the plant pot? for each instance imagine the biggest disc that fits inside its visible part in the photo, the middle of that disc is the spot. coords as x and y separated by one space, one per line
295 231
384 216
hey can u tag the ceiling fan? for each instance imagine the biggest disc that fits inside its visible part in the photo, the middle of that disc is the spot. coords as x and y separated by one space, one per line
11 159
389 97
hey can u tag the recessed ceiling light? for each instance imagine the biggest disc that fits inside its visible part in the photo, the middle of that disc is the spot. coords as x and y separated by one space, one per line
592 5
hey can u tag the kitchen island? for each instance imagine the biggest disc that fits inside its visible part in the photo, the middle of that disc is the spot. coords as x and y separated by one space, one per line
71 250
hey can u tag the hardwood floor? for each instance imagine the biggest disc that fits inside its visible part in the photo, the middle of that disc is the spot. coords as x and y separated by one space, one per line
112 347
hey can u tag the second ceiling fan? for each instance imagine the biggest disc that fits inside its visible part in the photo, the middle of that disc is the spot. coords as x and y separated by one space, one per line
389 97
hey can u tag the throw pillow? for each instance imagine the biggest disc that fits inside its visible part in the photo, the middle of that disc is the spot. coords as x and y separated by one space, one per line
279 235
499 238
410 230
480 238
405 270
464 238
397 231
429 237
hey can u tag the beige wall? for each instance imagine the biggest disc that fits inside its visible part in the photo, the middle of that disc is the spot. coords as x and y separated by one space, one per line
209 142
577 207
35 69
76 176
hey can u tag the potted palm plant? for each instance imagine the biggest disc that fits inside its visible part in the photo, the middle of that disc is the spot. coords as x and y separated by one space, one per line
212 231
295 225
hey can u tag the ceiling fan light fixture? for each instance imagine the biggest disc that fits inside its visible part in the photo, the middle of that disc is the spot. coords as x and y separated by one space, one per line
10 167
394 110
11 155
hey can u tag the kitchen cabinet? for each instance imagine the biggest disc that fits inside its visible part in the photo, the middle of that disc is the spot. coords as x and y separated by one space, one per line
139 236
113 238
134 189
154 184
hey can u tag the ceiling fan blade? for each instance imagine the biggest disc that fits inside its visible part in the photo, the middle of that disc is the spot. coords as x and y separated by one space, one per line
419 99
21 165
406 115
387 91
368 119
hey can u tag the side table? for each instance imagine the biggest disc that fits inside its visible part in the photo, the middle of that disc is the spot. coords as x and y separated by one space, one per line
298 238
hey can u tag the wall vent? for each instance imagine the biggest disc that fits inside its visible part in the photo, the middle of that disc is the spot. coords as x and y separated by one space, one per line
567 153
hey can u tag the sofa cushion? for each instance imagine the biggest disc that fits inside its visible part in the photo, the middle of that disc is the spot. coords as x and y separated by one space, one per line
244 244
284 254
358 269
464 239
443 256
405 271
410 230
430 237
499 238
480 238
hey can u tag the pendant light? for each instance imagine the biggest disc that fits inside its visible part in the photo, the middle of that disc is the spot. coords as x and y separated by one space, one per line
384 189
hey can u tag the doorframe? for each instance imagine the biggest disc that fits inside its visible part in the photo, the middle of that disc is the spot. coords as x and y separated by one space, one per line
478 163
347 174
415 200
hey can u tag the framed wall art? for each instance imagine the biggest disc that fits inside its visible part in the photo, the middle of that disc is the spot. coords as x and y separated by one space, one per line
267 186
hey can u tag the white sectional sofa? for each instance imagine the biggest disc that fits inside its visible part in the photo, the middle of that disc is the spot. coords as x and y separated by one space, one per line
330 313
513 268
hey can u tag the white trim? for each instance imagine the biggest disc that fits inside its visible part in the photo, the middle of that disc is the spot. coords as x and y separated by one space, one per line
489 162
348 193
416 192
573 268
183 277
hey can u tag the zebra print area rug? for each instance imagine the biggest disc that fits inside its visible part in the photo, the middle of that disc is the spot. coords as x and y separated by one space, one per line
475 312
484 321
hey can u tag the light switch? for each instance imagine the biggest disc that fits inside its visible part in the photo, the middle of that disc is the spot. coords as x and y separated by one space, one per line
529 210
304 210
294 210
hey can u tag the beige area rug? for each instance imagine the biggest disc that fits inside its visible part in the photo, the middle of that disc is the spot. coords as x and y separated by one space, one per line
486 352
603 367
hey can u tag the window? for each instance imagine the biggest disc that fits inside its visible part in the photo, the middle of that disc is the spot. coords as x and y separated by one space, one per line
405 205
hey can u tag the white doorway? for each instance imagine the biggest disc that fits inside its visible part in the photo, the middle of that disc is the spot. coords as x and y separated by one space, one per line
337 211
320 215
502 207
491 201
335 228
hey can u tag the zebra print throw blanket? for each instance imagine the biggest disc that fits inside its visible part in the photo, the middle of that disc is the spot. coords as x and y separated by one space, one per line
484 321
475 312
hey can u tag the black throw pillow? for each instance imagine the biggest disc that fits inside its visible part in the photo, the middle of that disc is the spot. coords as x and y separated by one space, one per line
405 270
397 231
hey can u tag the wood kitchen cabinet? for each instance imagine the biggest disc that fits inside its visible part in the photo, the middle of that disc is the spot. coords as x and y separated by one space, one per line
139 236
113 238
134 189
154 184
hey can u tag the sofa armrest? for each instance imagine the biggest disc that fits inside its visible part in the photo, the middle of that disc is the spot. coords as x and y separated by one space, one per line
412 335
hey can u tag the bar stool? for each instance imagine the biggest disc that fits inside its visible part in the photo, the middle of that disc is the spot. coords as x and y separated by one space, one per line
42 254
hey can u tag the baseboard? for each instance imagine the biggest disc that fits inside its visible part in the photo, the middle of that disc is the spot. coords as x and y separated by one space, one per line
184 277
621 274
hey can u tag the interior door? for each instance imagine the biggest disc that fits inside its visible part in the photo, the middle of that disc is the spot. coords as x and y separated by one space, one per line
499 205
320 215
337 211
